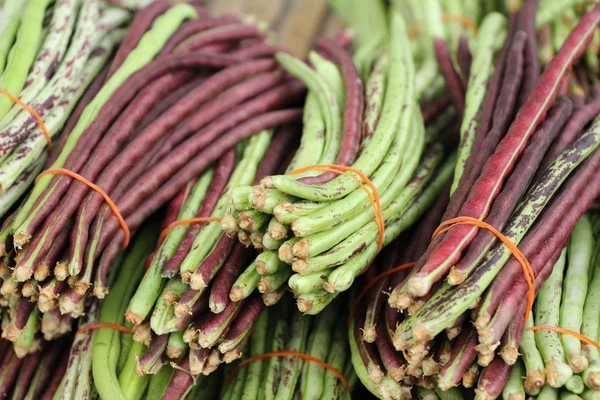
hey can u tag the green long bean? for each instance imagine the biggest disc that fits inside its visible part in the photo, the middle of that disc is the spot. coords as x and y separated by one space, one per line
23 52
106 342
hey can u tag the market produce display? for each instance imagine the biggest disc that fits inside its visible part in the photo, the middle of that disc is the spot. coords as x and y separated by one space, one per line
190 211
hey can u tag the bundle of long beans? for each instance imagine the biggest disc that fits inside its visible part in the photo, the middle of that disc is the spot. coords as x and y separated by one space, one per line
183 89
383 371
320 230
554 363
182 308
528 170
280 329
50 52
284 378
63 370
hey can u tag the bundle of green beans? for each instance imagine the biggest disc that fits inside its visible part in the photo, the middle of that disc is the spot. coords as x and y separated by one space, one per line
50 52
278 329
320 236
370 29
161 290
541 363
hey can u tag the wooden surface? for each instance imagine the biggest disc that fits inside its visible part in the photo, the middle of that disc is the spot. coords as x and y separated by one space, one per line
294 24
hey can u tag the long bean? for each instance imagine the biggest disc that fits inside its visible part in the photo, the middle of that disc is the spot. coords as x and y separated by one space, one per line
491 27
575 284
313 376
534 365
547 313
590 325
292 366
24 51
11 20
106 343
272 370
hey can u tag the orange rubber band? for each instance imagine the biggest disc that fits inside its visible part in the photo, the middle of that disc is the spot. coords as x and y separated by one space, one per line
527 271
414 30
290 353
33 113
372 283
373 194
109 325
188 221
462 21
96 188
566 332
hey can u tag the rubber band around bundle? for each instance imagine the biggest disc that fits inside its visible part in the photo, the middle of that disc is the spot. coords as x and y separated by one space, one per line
557 329
100 325
175 224
414 30
465 22
290 353
527 271
372 283
372 194
33 113
96 188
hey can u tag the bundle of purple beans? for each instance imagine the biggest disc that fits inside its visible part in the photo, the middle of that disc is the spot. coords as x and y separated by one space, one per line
37 375
457 316
182 91
62 370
